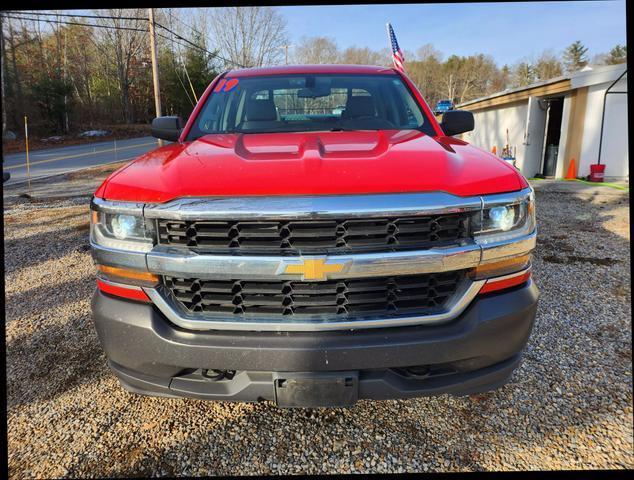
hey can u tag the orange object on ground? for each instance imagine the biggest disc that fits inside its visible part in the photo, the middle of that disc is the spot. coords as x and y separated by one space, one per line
494 150
572 170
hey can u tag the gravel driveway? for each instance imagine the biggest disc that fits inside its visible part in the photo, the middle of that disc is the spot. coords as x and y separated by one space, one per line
568 406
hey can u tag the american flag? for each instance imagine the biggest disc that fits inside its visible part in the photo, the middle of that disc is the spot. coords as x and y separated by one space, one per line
397 56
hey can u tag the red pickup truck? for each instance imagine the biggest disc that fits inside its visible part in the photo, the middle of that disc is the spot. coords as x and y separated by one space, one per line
313 236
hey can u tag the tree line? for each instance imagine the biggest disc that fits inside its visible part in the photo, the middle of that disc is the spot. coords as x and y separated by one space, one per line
460 78
71 72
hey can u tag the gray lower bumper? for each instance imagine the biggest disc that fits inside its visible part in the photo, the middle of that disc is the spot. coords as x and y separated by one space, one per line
476 352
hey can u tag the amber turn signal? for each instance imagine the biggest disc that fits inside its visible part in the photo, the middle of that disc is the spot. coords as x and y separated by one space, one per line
502 267
123 275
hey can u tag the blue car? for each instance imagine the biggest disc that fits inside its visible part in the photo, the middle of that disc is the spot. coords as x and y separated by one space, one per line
443 105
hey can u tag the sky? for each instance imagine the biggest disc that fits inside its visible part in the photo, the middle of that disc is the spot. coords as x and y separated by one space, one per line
509 32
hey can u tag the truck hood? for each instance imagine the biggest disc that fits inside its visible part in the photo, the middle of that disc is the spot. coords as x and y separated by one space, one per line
312 163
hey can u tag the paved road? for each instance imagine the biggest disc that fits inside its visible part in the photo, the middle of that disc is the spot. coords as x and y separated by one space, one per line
52 161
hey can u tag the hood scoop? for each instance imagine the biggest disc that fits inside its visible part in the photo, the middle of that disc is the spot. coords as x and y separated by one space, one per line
294 146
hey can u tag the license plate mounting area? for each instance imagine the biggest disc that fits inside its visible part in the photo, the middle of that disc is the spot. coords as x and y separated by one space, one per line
316 389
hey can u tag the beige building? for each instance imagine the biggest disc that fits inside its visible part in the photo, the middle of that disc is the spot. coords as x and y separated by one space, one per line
582 117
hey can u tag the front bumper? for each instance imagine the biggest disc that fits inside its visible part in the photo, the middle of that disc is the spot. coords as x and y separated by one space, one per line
475 352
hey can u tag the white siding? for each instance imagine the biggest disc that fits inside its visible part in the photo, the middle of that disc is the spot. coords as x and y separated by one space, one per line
615 133
491 124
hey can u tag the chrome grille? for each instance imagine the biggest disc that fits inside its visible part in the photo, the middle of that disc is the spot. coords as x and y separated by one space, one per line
350 298
317 236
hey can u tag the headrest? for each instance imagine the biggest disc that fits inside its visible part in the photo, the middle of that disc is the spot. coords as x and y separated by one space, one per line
258 109
361 106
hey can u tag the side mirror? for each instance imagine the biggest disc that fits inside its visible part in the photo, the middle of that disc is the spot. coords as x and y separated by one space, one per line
456 121
167 128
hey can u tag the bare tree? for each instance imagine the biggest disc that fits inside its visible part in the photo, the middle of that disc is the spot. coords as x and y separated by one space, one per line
361 56
249 36
122 48
316 50
427 52
547 66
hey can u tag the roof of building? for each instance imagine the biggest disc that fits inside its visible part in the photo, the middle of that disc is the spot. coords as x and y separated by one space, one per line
589 75
299 69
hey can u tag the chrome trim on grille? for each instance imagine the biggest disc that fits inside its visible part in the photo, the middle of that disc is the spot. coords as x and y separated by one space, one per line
178 262
184 319
303 207
118 258
127 286
492 252
110 206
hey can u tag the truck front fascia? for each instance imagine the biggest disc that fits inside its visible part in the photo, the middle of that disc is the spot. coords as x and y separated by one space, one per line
183 262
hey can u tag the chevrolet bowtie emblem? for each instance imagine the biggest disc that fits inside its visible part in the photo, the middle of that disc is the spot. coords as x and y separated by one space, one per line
312 268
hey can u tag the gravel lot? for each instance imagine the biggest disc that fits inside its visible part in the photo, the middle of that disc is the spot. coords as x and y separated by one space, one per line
569 405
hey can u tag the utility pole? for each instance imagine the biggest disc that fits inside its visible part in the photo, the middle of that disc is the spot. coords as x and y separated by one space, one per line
285 47
4 110
155 73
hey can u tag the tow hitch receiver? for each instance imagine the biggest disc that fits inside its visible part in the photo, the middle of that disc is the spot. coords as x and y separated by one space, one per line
327 389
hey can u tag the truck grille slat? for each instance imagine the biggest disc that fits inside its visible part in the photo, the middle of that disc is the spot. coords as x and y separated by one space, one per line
316 236
349 298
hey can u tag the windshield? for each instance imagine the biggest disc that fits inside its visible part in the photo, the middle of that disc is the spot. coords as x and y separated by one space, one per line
304 103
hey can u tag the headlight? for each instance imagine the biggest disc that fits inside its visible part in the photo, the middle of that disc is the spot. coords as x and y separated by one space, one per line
122 231
499 222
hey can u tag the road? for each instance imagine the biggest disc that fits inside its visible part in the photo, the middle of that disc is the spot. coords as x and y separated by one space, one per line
52 161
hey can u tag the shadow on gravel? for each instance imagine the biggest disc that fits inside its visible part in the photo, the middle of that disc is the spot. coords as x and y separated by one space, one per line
43 299
44 246
51 221
52 361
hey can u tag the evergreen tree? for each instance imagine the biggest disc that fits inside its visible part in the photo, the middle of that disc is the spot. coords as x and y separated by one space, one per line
617 55
575 57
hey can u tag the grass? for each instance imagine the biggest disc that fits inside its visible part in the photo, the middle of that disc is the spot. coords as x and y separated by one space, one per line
605 184
596 184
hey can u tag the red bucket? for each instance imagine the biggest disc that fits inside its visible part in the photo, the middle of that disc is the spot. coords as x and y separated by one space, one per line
597 172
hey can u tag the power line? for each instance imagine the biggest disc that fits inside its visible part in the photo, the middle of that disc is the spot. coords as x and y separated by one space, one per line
191 44
77 23
185 24
65 22
73 15
175 67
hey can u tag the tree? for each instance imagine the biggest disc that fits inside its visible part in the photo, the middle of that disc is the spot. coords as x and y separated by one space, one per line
426 72
502 80
617 55
122 50
523 74
547 66
361 56
427 52
316 50
249 36
469 77
575 57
